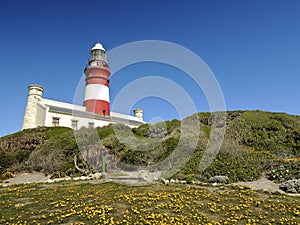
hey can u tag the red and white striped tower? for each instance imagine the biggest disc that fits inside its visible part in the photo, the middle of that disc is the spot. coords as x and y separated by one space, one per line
97 72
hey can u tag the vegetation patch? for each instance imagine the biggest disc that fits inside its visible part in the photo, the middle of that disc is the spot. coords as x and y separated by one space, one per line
255 143
291 186
111 203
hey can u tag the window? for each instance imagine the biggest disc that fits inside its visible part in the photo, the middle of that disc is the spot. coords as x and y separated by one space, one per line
91 125
55 121
74 124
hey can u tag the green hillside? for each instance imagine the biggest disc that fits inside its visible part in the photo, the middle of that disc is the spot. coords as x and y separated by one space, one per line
255 142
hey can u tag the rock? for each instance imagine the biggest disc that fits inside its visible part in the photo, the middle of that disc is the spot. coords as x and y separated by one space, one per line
76 178
172 181
61 179
155 179
143 175
83 178
165 181
291 186
142 178
96 176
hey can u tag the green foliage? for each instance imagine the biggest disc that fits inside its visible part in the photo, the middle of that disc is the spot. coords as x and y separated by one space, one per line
27 132
255 142
247 166
114 203
56 132
284 171
267 131
206 130
58 174
142 130
145 158
68 168
41 149
293 140
7 173
189 178
168 146
6 160
291 186
173 125
56 150
103 132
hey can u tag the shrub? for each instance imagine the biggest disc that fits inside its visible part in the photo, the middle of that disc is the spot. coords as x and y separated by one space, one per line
291 186
6 160
219 179
283 171
58 174
172 125
103 132
8 173
189 178
142 130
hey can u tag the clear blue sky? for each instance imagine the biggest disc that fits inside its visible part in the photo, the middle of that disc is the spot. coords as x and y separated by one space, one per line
252 46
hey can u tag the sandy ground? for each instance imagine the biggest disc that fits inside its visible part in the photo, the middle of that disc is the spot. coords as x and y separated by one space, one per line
125 177
133 178
261 184
26 178
265 185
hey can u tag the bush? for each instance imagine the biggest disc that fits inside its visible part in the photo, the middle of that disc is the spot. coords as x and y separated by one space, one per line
142 130
219 179
284 171
58 174
8 173
247 166
173 125
189 178
291 186
6 160
103 132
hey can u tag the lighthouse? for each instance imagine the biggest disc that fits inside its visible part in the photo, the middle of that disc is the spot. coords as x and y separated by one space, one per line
41 111
97 72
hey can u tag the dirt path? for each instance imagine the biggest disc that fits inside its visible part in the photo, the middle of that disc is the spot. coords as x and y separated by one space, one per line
262 184
265 185
132 178
126 177
26 178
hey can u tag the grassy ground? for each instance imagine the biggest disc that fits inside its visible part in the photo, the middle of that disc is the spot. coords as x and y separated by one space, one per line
112 203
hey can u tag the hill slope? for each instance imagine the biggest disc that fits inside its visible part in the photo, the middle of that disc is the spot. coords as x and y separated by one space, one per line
255 142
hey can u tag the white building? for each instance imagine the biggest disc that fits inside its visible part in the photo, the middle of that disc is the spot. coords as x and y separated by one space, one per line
95 111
